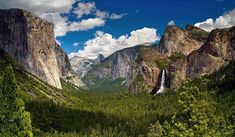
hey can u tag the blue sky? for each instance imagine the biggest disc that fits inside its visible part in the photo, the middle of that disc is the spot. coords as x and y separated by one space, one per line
148 13
105 26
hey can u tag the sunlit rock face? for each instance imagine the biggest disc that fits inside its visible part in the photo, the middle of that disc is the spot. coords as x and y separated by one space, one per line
82 65
117 66
216 52
176 40
30 40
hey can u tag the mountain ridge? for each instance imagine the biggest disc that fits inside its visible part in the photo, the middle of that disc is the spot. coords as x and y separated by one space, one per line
150 61
183 53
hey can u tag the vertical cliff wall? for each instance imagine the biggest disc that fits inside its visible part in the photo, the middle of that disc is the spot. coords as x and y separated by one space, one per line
30 40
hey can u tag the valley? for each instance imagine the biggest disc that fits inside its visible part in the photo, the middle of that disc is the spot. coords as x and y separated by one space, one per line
181 86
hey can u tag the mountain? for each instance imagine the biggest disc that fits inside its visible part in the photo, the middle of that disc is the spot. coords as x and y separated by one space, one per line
138 68
176 40
29 86
82 65
113 71
183 53
216 52
30 40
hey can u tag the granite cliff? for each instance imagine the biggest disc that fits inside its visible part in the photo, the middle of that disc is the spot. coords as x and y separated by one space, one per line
114 69
30 40
183 53
81 65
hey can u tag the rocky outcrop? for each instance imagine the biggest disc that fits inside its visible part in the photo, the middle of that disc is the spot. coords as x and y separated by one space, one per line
62 58
117 66
176 40
82 65
65 69
177 73
30 40
216 52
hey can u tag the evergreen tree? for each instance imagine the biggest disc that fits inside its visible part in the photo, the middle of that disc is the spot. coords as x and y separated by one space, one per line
196 116
14 120
155 130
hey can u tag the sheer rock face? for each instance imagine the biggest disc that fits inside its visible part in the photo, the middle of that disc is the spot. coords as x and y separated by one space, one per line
177 73
122 62
64 65
118 65
82 65
30 40
200 53
215 53
176 40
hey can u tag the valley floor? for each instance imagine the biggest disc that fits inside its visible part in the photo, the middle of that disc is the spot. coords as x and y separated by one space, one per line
201 107
121 114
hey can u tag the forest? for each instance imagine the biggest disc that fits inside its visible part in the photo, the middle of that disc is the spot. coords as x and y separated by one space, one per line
200 107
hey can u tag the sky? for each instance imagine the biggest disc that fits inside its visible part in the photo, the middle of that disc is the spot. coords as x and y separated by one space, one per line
91 27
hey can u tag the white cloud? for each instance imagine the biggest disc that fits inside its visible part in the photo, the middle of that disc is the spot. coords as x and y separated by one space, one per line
50 10
60 23
115 16
75 44
39 7
101 14
225 21
171 23
84 9
54 10
86 24
106 44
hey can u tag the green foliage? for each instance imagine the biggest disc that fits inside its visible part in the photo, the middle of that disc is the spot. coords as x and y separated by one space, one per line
205 106
29 86
105 113
139 85
223 80
107 84
14 120
163 63
155 130
197 34
196 116
176 56
195 110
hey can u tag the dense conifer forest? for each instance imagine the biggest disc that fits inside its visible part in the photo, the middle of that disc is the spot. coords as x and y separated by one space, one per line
201 107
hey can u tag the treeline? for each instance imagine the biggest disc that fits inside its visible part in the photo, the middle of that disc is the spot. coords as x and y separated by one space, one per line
14 120
201 107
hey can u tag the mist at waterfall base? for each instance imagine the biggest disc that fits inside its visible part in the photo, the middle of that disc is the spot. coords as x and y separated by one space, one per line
162 87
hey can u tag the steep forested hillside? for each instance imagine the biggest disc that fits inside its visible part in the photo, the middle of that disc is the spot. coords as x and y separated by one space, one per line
200 107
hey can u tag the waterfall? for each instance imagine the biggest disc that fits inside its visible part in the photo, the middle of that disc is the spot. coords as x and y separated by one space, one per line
162 87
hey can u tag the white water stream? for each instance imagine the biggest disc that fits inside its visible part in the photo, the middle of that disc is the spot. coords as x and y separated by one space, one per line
162 87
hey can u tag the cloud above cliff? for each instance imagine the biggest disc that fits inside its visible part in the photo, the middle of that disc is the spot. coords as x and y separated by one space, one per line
59 11
84 9
39 6
86 24
224 21
171 23
106 44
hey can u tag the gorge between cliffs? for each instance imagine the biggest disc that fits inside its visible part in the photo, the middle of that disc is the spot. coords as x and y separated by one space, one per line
181 84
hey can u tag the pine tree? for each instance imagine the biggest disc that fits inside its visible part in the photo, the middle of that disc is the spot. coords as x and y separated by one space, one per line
196 116
14 120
